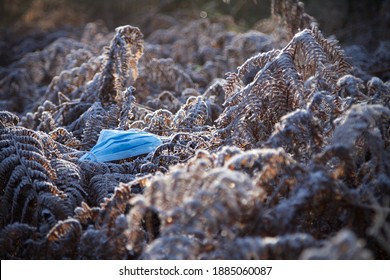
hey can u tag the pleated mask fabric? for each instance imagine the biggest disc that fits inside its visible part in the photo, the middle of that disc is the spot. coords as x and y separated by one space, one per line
121 144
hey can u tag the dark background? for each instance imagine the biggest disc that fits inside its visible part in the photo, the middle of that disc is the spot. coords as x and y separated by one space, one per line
364 22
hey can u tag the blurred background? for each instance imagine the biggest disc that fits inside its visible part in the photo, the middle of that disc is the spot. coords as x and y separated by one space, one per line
364 22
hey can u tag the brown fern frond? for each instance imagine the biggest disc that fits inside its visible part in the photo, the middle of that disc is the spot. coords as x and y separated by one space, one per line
343 246
13 238
62 240
286 158
252 110
120 68
7 119
172 248
196 112
126 114
334 53
252 65
284 247
163 74
105 243
358 142
63 136
102 186
291 14
95 119
72 81
298 133
25 174
69 180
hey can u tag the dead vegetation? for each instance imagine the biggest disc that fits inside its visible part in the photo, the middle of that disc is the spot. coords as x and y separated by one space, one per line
286 158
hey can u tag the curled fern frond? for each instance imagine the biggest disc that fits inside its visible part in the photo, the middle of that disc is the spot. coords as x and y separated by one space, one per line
120 68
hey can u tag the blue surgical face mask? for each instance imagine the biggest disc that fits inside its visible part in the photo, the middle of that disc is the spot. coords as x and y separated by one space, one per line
121 144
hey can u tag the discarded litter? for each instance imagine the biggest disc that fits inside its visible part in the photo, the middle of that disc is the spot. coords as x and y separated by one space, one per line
121 144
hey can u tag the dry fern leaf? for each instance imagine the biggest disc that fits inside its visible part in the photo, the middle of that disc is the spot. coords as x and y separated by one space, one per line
163 74
7 119
115 206
67 229
297 195
17 91
312 198
358 144
103 186
282 247
62 136
196 111
362 121
299 133
105 243
126 112
144 225
343 246
71 82
276 90
25 173
70 181
95 119
33 70
255 105
90 168
63 238
105 236
13 238
291 14
42 117
172 248
219 196
120 66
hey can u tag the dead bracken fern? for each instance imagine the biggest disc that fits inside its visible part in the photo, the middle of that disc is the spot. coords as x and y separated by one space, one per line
254 104
291 14
286 158
120 67
27 177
